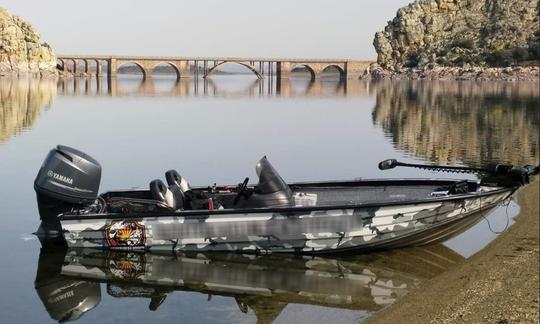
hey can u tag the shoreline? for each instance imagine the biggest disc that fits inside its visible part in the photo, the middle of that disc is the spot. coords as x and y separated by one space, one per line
433 72
499 284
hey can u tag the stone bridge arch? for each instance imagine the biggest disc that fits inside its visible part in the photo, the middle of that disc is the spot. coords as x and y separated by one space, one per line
171 64
341 71
60 64
311 71
70 65
144 69
246 64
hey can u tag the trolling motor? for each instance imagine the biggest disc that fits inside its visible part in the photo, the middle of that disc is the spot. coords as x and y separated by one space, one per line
493 174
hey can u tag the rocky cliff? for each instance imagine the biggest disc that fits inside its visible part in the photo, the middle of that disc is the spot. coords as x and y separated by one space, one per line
461 32
20 50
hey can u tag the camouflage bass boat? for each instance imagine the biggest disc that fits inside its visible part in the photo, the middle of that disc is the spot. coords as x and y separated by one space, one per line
271 216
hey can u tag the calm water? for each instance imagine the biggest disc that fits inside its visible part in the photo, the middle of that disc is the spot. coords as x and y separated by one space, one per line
215 131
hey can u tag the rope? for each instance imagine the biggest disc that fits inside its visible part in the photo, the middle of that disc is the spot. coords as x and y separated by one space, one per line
505 203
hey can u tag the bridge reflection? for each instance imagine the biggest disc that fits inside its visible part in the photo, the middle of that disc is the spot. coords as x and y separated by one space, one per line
231 87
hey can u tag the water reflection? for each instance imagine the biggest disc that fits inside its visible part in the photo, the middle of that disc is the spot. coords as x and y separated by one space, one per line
221 86
68 283
444 122
465 122
21 103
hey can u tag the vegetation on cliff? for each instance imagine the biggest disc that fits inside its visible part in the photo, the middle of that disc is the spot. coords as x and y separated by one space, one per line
20 49
495 33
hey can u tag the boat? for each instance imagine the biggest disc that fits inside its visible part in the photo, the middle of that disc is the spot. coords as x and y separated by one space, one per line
68 281
271 216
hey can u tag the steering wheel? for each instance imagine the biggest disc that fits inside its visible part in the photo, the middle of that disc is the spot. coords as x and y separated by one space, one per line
240 190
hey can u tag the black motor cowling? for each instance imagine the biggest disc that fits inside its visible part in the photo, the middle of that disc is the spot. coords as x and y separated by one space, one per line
67 179
69 175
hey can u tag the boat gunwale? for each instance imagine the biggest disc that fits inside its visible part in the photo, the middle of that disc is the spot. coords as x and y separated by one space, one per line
197 214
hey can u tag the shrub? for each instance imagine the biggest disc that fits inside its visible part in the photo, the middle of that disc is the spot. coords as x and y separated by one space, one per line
499 58
466 43
413 58
441 60
534 46
520 54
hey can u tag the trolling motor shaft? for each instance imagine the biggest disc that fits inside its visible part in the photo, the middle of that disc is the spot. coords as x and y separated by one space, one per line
494 174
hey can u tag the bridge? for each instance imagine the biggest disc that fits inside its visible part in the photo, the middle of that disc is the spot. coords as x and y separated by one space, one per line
186 67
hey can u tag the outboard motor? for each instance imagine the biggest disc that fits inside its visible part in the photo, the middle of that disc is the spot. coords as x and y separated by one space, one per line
67 179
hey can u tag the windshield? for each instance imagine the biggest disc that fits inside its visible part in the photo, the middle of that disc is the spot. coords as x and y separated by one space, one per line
269 180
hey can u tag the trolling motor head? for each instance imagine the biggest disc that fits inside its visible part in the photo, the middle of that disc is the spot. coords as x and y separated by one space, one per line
501 175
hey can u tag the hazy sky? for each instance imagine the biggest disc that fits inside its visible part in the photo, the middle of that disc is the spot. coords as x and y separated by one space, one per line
279 28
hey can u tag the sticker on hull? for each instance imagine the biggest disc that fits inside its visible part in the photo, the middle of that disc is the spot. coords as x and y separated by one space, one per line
125 234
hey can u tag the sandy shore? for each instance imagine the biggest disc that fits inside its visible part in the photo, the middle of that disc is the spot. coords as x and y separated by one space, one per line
497 285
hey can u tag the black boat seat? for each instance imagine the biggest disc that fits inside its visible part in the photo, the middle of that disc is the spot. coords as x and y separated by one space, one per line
171 196
177 183
174 178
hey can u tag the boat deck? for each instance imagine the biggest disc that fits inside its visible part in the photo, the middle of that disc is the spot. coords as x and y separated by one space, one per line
368 194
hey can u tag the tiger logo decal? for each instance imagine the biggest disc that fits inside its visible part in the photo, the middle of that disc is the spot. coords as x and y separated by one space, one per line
125 234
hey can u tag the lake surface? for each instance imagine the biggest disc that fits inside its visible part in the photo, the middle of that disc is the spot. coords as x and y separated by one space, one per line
215 131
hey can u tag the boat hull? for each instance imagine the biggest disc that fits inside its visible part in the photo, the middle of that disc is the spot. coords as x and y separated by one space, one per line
359 228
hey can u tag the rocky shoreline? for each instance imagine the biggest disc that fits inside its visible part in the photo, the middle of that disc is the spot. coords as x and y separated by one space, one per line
467 72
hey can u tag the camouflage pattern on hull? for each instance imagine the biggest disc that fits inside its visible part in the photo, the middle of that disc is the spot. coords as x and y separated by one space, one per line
325 231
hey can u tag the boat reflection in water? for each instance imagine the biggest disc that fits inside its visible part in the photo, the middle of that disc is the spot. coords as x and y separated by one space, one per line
68 282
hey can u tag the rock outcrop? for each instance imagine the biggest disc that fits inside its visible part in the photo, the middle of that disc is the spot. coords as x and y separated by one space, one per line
20 50
496 33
